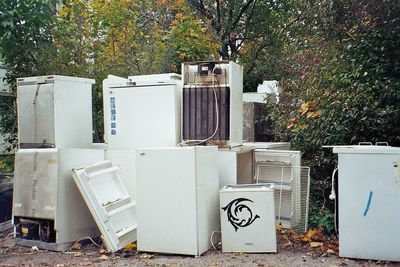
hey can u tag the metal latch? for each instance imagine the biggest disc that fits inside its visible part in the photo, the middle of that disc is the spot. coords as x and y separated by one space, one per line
397 171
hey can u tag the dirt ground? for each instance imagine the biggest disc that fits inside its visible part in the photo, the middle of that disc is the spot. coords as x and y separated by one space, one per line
90 255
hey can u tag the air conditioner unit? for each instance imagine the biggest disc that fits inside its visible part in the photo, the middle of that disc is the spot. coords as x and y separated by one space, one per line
54 111
283 168
212 103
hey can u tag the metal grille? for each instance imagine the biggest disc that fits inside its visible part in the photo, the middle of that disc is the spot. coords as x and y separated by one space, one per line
199 117
292 189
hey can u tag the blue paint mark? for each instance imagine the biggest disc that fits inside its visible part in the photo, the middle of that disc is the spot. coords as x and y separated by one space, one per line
368 203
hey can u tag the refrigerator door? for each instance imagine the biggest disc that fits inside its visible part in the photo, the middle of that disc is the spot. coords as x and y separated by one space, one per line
35 115
166 197
36 183
248 218
109 203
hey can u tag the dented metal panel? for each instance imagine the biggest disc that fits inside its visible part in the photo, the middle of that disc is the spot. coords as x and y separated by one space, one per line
35 183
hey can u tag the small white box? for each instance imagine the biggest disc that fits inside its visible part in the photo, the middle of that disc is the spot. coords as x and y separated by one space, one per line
248 218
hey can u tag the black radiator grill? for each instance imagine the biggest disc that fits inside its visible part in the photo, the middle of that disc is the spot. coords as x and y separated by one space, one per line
199 116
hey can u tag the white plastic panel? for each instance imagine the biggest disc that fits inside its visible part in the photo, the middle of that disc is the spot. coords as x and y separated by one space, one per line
109 203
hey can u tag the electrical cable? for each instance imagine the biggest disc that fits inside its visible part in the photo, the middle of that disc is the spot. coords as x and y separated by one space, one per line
216 111
5 239
211 239
67 251
216 114
332 196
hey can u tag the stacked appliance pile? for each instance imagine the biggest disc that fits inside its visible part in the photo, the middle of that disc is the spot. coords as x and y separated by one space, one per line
171 145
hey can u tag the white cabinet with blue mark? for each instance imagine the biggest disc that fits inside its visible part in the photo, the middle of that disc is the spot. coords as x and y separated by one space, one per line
369 202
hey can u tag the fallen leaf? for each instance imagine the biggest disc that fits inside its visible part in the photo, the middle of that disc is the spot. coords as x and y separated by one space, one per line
102 251
316 244
146 256
60 265
130 247
314 235
103 257
77 246
78 254
331 251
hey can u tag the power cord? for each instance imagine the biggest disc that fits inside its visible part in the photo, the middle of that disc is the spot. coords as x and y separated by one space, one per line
332 196
67 251
211 239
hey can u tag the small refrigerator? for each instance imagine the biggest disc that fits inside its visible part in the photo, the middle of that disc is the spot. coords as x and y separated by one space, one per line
248 218
369 202
177 199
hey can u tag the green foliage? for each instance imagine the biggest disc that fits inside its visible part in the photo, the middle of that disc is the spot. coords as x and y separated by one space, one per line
25 48
6 164
321 217
342 88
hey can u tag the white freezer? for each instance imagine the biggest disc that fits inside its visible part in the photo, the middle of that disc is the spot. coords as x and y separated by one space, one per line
44 190
248 218
142 111
54 111
369 202
177 199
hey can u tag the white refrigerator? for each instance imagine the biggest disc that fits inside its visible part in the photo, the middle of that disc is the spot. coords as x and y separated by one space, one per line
177 199
369 202
248 218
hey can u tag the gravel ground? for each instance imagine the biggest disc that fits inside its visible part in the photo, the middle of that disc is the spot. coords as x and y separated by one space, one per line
89 255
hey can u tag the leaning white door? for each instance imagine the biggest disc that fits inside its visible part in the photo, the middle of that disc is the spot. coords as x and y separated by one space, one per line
109 202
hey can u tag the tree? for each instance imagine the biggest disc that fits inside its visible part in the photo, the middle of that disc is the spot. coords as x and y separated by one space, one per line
25 48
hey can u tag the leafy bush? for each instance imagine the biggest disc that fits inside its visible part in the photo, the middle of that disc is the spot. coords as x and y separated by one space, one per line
6 164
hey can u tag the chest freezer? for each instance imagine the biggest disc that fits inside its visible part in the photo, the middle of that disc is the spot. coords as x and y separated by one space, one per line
248 218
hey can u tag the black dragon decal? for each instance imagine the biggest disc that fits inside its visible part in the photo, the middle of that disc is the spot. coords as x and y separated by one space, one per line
239 214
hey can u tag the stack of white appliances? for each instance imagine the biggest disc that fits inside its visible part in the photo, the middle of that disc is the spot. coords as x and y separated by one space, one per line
54 134
140 111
